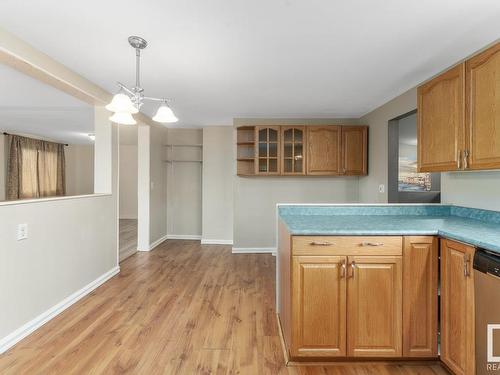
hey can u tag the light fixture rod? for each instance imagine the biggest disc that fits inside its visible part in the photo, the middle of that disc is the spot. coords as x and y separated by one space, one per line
137 68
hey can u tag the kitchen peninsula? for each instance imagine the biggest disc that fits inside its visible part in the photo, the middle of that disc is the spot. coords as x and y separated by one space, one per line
362 281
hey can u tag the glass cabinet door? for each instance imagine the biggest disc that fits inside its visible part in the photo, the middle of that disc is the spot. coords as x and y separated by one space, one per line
293 149
267 149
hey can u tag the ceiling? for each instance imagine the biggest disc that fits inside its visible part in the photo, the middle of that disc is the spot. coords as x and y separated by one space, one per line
30 107
263 58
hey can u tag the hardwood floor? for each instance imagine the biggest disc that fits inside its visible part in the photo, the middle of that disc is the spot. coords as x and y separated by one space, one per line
127 237
181 309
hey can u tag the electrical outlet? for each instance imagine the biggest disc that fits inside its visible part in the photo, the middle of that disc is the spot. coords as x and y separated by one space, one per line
22 231
381 188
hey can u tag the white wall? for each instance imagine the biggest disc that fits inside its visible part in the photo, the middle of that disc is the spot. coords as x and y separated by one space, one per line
71 243
79 169
378 120
184 185
255 198
472 189
218 174
128 181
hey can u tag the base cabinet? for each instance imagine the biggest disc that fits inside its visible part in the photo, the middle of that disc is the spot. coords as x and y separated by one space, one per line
420 299
376 297
346 305
457 307
374 306
319 306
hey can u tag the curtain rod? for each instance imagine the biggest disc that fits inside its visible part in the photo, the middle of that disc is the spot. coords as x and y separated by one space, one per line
5 133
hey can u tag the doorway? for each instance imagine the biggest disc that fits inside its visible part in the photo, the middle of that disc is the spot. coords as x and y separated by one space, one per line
128 182
405 184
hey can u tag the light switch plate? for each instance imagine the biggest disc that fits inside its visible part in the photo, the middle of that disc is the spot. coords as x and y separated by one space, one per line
381 188
22 231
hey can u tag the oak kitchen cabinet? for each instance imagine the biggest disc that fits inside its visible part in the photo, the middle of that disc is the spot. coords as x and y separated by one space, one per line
459 116
267 149
319 327
324 150
441 122
299 150
420 300
355 150
374 294
293 141
344 298
457 307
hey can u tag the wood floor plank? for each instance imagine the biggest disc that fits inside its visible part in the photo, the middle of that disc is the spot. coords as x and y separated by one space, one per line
183 308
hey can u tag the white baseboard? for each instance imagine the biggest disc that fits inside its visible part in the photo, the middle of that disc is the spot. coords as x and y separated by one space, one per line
13 338
254 250
216 242
183 237
128 217
157 242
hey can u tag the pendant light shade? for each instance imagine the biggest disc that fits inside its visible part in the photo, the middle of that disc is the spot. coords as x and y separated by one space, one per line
123 118
165 114
122 103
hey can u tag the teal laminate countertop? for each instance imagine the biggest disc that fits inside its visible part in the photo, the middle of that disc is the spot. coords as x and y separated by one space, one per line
479 228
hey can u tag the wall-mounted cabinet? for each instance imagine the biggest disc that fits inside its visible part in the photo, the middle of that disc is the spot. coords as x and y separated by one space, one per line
459 116
267 150
324 150
302 150
293 141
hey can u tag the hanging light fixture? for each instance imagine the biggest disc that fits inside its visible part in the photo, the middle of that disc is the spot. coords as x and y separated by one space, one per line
127 102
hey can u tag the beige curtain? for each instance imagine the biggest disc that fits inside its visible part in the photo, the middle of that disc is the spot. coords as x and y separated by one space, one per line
35 168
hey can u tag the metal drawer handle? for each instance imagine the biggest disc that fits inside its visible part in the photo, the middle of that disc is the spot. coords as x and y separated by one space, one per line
320 243
342 269
353 268
459 159
372 244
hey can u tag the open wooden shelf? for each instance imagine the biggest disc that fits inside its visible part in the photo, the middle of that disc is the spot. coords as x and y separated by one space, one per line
245 151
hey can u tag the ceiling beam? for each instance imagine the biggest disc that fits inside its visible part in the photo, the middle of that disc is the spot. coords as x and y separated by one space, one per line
23 57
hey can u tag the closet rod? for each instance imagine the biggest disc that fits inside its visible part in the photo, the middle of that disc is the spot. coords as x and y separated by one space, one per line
5 133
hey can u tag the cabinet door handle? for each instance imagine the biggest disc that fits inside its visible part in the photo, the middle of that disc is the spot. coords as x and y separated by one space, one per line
459 160
466 159
353 268
321 243
342 269
372 244
466 265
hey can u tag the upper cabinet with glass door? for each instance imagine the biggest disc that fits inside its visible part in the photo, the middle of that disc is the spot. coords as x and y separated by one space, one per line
267 150
293 150
299 150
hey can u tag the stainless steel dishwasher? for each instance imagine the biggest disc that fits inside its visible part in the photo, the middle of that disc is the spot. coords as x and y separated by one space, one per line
487 301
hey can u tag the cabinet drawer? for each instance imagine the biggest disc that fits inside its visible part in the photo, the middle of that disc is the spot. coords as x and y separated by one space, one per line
342 245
